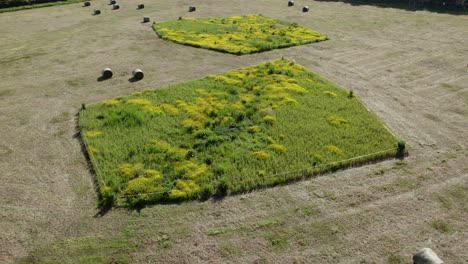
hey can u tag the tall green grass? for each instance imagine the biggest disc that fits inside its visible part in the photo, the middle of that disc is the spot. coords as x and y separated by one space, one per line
248 128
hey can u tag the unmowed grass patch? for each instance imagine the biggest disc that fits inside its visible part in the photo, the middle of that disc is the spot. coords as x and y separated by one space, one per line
248 128
237 34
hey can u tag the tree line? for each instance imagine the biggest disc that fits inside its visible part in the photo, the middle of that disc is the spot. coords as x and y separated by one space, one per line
15 3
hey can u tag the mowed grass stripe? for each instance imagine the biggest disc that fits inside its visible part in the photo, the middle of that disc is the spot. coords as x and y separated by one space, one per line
247 128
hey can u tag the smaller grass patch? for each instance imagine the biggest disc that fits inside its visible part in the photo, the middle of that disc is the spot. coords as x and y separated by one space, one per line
64 116
407 184
237 34
267 222
395 258
229 250
165 242
442 226
5 93
216 231
277 241
4 151
307 211
450 87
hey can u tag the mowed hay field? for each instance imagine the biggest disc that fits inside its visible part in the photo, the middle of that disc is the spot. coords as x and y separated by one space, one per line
410 68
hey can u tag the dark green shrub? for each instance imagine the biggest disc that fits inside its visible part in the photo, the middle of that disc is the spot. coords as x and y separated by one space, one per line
205 192
401 145
209 160
190 154
222 188
107 197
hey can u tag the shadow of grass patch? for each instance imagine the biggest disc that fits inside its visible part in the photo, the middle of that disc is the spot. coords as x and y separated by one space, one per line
267 222
75 82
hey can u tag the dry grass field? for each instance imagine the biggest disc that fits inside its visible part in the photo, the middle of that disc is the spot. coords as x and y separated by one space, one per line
410 68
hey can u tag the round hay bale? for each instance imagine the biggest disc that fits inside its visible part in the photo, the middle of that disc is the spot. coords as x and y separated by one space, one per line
112 2
426 256
97 11
290 3
305 9
141 6
107 73
146 19
115 7
138 74
192 8
87 3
